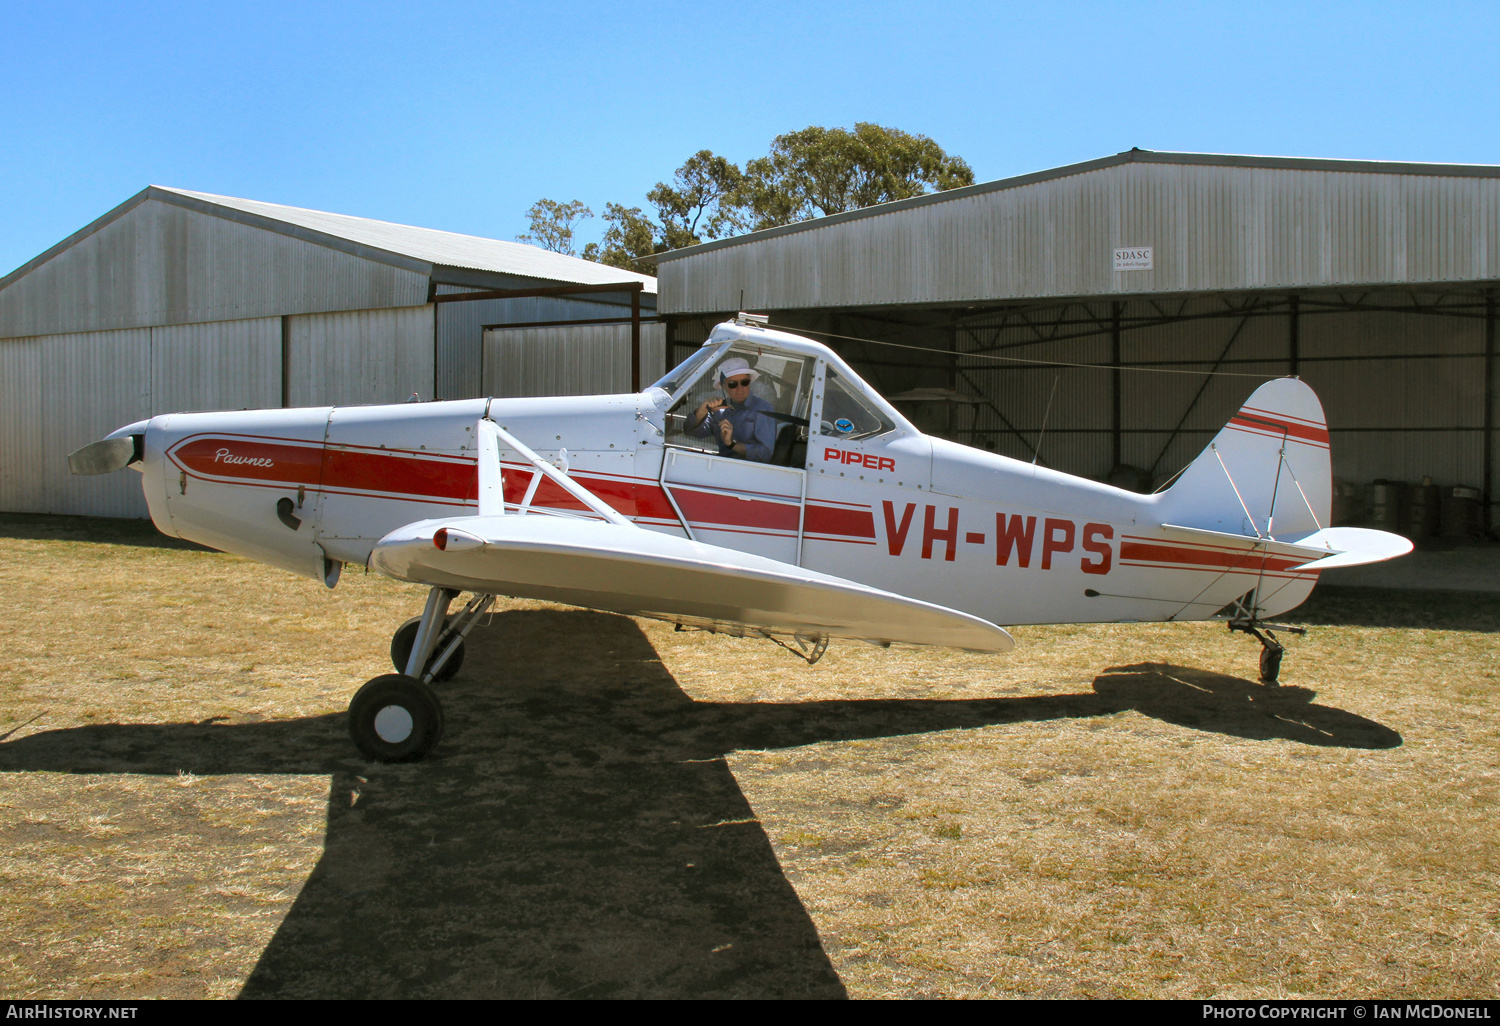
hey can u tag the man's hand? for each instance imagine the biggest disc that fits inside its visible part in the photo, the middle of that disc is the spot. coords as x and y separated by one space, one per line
701 414
726 432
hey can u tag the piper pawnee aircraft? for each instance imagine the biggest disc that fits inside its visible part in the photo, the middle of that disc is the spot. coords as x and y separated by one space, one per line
812 511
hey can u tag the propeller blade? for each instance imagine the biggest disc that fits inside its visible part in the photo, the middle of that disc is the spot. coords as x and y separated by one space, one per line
105 456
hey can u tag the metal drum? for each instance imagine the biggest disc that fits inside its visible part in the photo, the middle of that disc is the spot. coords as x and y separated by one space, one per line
1460 516
1387 503
1423 511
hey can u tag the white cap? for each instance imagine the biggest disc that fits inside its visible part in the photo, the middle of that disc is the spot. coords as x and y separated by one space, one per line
736 365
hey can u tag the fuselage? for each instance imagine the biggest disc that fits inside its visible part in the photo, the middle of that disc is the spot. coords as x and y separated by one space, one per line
1014 543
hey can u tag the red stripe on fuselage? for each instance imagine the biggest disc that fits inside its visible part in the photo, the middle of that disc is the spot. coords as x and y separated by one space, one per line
405 475
831 520
711 508
451 479
1160 554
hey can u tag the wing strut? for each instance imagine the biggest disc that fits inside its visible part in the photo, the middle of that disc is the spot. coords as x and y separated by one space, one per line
491 492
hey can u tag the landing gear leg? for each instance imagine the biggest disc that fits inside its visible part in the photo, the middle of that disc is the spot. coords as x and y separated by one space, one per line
429 628
1271 649
446 654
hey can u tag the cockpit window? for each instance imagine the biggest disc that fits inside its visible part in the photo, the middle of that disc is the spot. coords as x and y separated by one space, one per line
782 381
846 413
685 370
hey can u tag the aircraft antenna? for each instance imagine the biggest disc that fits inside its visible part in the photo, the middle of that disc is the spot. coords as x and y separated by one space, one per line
1036 453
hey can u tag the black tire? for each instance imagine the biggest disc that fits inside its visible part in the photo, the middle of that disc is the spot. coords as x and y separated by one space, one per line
395 718
406 636
1270 665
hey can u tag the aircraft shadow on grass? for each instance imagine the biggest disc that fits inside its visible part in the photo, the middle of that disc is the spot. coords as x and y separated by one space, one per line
578 832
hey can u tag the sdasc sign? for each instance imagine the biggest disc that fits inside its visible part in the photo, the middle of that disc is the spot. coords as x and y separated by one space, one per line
1134 258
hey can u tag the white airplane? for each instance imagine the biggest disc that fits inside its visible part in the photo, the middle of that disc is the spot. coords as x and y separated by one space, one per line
760 488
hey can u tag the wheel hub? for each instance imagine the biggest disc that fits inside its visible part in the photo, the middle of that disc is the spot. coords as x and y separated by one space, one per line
393 724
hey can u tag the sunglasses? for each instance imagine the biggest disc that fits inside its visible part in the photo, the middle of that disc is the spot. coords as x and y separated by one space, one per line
738 383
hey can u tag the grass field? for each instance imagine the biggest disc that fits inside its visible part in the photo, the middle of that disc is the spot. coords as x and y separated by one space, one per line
620 810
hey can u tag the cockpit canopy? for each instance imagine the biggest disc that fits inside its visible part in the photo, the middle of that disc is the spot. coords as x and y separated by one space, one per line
810 391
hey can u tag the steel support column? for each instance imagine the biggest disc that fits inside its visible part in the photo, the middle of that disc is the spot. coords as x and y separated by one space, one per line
1294 334
286 366
635 341
1489 411
1114 384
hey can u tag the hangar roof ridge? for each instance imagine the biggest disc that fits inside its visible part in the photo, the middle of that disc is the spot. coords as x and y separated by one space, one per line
1131 156
417 249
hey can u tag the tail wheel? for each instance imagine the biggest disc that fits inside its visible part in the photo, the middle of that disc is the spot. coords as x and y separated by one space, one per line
406 636
395 718
1270 664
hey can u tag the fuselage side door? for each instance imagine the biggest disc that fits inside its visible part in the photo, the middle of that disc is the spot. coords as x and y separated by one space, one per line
739 504
752 502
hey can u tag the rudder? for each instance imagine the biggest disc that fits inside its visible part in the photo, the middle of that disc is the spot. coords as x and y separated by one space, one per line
1267 473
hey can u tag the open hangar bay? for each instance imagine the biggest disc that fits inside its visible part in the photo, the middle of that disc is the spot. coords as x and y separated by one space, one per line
1088 299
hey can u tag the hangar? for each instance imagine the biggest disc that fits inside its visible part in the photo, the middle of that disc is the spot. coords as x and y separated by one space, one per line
1073 316
178 301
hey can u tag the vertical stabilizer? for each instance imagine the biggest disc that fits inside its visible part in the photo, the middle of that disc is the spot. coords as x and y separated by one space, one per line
1265 475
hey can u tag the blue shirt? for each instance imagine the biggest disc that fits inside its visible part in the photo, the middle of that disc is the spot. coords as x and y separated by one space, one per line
758 432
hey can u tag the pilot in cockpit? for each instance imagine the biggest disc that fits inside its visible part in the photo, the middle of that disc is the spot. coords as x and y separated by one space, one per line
740 423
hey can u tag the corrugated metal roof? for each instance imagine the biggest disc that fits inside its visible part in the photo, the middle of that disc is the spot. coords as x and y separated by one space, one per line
447 249
425 250
1133 156
1201 224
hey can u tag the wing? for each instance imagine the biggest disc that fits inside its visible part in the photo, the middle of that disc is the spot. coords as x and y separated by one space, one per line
626 569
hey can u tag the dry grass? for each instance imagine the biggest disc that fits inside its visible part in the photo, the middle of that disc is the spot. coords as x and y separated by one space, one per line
619 809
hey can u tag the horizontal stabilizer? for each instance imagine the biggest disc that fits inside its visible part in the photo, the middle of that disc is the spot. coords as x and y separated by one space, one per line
1269 546
625 569
1325 549
1353 546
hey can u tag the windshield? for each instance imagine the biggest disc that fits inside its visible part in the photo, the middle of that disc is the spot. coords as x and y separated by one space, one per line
847 414
685 370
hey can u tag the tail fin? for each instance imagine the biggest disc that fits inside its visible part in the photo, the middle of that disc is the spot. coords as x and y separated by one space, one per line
1265 475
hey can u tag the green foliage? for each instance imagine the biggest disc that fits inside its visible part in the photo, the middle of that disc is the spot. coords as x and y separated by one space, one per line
821 171
552 224
811 173
630 236
701 203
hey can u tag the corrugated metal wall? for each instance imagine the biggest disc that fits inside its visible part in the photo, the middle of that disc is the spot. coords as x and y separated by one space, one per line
1211 228
360 356
59 392
163 264
222 365
460 331
1403 392
1405 418
22 448
579 360
71 390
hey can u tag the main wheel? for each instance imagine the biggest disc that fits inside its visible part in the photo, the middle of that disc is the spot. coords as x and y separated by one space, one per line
395 718
406 636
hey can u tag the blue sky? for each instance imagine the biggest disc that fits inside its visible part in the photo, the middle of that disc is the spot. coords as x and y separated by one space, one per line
460 116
